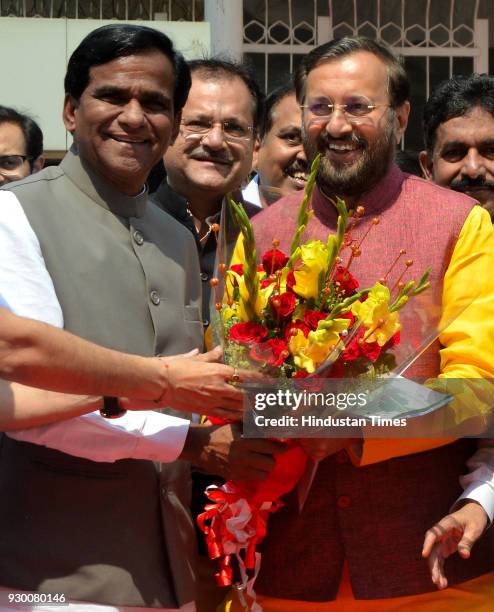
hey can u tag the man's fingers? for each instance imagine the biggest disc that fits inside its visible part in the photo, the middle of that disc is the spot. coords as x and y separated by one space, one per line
212 356
438 532
430 539
222 413
465 545
251 376
191 353
436 566
170 358
227 392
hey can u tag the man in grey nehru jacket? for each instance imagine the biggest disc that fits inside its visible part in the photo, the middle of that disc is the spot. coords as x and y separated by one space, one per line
97 509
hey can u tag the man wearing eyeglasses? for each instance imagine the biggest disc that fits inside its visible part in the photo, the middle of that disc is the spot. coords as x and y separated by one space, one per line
21 146
357 543
212 153
210 157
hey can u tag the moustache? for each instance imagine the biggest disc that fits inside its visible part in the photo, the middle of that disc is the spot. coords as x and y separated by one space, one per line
297 166
202 155
466 183
325 139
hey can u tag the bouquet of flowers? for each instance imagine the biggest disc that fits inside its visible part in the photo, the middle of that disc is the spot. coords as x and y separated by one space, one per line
300 314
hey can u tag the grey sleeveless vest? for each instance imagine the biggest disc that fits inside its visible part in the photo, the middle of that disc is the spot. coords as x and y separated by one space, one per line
127 277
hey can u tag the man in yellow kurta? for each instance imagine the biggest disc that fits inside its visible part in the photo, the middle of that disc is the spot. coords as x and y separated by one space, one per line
357 543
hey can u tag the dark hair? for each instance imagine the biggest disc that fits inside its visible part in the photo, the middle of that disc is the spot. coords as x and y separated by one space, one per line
408 161
454 98
271 102
33 136
216 67
110 42
398 84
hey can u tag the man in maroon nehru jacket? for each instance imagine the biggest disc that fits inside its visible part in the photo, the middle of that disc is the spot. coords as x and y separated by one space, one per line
360 534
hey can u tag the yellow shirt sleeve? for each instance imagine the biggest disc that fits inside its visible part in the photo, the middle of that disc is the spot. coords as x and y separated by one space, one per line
468 341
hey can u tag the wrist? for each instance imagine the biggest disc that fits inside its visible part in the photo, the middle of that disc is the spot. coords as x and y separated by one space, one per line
195 443
161 397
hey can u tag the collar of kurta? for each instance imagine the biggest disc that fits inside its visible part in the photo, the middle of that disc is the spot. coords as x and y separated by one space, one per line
374 201
99 190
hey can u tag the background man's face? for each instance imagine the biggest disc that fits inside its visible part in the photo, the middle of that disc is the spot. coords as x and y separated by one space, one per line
124 119
281 161
356 153
463 156
208 162
12 143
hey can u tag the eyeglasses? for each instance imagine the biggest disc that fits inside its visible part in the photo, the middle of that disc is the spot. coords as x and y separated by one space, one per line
232 132
9 164
355 109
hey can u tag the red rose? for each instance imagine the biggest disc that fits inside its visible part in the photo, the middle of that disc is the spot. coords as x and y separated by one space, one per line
273 260
283 304
273 352
296 325
348 283
393 341
348 315
248 333
312 317
371 350
337 370
357 348
352 350
238 268
290 280
269 280
300 374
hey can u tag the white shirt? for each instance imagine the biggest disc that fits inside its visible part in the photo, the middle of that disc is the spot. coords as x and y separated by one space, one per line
250 193
479 483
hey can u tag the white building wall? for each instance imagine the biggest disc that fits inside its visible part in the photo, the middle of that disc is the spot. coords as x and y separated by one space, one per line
32 81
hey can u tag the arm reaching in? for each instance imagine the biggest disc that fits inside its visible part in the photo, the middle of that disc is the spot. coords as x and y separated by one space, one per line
22 406
40 355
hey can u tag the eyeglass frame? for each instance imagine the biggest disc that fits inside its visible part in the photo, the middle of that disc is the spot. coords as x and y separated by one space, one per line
227 137
351 118
24 158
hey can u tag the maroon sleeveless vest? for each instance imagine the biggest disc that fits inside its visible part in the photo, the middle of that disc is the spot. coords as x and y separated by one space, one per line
388 506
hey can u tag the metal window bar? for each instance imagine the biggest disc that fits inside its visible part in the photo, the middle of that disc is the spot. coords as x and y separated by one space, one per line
173 10
433 35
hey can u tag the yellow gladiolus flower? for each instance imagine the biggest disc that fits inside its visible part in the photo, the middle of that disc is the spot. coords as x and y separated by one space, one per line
228 313
308 353
262 299
375 316
314 256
